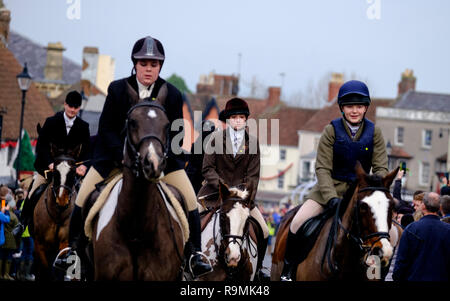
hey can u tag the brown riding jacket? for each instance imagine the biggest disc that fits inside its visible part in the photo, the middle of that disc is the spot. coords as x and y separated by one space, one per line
326 187
243 168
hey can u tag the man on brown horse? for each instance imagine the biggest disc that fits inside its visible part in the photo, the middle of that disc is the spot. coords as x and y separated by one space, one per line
147 57
343 142
64 130
240 164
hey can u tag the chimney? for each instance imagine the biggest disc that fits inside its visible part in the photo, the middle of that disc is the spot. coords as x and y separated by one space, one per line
274 96
5 19
337 79
90 64
408 82
54 69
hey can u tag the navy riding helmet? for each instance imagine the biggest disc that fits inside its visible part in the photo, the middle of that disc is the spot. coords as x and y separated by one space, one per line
354 92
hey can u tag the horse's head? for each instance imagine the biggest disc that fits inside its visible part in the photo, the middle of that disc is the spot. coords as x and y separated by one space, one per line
374 214
64 174
235 209
147 139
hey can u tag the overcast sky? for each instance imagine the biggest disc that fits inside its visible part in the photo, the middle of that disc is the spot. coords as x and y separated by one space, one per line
374 39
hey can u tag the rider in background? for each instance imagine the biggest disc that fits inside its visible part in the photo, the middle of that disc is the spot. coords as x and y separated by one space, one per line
344 141
237 164
65 130
143 85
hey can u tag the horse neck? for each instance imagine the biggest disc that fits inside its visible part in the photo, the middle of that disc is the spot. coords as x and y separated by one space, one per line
134 197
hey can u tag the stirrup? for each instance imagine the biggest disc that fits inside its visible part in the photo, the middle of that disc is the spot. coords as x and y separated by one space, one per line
62 265
190 264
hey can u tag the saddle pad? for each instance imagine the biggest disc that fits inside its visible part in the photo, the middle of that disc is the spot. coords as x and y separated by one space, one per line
102 198
175 209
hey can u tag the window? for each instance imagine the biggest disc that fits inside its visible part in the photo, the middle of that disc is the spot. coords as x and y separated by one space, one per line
426 138
399 132
305 170
424 173
281 180
282 154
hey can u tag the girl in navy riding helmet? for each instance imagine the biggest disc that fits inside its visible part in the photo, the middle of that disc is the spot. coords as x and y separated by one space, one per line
344 141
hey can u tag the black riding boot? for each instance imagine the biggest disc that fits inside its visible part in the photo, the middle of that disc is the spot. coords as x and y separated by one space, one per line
193 246
290 257
75 227
262 276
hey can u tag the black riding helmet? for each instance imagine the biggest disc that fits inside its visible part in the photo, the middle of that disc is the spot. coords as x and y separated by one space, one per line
147 48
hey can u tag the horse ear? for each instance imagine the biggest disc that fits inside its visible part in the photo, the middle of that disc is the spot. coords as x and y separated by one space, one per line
389 178
360 172
162 94
224 192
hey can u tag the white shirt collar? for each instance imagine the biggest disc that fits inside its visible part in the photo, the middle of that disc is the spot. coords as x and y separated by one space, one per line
144 91
69 122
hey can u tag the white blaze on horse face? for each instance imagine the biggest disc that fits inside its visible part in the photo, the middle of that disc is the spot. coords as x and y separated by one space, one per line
379 205
153 156
63 169
238 216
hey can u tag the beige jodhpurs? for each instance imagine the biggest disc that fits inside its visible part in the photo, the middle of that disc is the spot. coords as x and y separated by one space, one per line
309 209
88 186
178 178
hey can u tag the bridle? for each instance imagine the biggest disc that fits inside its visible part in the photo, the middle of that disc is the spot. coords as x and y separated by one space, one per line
54 188
232 238
136 166
360 241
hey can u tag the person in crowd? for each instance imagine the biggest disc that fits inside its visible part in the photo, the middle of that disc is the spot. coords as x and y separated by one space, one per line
445 208
9 245
423 254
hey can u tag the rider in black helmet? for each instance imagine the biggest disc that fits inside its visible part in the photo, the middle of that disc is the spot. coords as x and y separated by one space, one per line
143 85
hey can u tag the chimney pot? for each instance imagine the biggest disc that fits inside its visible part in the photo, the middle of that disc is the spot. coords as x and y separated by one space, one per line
407 82
274 96
337 79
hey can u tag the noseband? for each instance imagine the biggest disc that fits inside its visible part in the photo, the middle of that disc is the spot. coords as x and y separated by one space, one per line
136 166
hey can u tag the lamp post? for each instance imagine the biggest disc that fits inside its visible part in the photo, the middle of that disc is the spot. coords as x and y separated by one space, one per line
24 80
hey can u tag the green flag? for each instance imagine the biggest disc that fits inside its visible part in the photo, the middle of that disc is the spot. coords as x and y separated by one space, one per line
26 154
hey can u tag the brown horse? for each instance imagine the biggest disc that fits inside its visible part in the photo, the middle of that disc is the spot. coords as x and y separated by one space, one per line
140 240
353 242
52 213
230 237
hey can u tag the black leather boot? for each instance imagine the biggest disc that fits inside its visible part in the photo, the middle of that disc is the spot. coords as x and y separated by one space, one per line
290 258
262 276
193 247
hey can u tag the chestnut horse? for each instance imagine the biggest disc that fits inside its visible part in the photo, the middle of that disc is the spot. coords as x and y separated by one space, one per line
230 238
141 240
354 242
52 212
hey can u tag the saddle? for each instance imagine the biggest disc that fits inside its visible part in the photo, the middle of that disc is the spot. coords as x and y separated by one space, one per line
100 196
310 230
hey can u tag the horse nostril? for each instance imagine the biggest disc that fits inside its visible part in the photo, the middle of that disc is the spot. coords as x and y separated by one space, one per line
378 252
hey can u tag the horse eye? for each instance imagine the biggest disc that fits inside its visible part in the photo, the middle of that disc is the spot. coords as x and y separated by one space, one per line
364 207
132 123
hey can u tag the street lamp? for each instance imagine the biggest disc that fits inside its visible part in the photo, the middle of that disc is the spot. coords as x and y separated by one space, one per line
24 80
